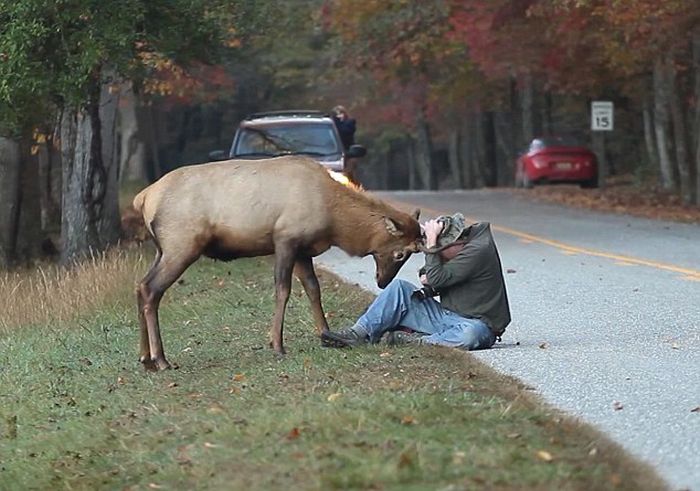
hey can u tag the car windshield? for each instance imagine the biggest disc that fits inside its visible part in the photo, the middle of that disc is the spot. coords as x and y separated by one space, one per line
555 141
308 138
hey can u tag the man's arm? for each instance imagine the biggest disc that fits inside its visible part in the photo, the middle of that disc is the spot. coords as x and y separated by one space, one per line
441 274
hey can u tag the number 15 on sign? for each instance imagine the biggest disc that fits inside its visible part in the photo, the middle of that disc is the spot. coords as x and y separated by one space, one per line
602 118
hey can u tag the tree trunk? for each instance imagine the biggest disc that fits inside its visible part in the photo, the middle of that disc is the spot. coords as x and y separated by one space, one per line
424 152
132 155
668 181
109 221
528 115
477 151
679 133
29 230
149 133
49 161
505 142
546 114
466 152
599 149
696 125
412 172
454 155
10 198
489 139
649 140
79 235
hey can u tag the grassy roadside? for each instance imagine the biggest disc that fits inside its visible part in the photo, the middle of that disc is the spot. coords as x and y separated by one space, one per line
77 412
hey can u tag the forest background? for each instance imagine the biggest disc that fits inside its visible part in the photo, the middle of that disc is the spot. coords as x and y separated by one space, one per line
447 93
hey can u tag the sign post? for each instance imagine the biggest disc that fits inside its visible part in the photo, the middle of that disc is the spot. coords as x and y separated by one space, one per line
602 119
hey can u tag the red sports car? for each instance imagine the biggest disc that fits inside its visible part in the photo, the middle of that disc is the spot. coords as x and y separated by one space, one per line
556 159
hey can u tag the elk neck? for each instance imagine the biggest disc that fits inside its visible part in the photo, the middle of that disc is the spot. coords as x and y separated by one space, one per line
358 221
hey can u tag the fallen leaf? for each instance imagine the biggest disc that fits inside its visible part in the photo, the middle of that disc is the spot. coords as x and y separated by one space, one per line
544 455
458 458
211 445
405 459
155 486
543 346
183 456
215 409
293 434
385 354
239 377
617 406
513 436
333 397
695 410
593 452
408 420
121 380
510 271
172 384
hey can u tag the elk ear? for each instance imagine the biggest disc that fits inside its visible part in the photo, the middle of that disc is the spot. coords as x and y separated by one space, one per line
416 214
392 228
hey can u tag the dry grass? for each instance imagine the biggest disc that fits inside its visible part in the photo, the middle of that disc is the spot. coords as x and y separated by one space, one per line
50 294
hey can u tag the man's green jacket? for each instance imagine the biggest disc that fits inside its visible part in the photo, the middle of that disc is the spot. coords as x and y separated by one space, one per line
471 284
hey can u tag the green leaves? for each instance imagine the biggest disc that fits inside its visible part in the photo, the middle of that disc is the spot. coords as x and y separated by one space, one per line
50 52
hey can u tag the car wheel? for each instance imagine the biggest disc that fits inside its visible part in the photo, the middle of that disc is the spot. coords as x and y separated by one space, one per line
590 183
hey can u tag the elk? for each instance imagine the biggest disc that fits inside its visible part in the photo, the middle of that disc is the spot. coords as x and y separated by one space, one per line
288 206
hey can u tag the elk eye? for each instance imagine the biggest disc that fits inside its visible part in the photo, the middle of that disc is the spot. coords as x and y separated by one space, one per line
398 256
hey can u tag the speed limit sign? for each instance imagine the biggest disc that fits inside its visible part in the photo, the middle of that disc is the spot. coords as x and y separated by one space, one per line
602 118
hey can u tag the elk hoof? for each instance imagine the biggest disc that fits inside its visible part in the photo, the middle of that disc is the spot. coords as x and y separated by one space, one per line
148 364
162 364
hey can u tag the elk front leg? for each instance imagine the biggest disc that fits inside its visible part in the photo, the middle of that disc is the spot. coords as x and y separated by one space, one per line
284 264
304 270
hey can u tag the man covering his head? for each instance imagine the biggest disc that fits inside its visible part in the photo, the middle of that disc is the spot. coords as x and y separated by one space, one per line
463 267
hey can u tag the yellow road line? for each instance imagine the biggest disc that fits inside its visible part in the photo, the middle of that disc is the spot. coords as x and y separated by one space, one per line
687 273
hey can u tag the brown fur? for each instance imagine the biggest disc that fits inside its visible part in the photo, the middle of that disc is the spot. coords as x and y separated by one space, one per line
288 206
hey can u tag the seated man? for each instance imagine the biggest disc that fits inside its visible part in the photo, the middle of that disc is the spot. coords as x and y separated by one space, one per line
463 267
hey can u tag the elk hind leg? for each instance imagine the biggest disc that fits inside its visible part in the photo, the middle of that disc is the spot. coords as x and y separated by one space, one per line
304 270
165 272
145 351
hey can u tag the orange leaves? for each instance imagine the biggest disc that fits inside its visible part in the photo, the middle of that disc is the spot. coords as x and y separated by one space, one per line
168 79
293 434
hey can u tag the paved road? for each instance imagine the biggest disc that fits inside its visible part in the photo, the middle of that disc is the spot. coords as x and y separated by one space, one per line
616 299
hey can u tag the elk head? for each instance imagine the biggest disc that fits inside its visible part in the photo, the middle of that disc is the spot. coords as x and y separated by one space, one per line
401 238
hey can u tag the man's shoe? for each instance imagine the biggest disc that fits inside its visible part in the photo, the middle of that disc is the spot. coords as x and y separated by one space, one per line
347 338
397 338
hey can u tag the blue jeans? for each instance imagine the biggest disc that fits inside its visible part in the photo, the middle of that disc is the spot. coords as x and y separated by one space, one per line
395 307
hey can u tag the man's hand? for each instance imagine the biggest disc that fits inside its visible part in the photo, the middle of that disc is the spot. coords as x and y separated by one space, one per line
423 279
432 230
